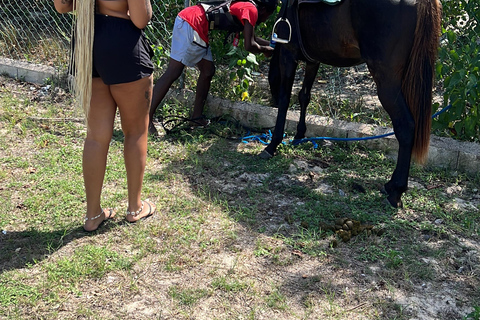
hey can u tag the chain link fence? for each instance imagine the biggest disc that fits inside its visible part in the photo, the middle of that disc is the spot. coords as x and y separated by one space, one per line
32 31
35 32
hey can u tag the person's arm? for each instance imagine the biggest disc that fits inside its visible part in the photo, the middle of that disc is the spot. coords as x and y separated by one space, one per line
64 6
254 44
262 42
140 12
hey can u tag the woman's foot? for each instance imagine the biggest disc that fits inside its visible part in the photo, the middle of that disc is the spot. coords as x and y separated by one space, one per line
92 224
146 210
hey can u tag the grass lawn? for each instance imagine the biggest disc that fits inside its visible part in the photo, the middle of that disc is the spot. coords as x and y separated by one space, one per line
234 237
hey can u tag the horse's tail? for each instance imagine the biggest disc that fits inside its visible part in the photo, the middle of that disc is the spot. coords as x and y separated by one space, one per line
419 75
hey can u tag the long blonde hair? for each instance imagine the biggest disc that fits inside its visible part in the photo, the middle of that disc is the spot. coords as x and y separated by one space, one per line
83 28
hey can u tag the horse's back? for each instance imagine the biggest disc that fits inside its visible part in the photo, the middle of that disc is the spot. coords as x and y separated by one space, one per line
385 28
357 31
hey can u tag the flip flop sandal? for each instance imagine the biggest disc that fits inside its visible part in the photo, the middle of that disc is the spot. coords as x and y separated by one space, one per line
111 214
136 213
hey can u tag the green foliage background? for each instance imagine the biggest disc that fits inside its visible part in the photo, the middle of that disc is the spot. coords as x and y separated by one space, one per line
458 69
33 31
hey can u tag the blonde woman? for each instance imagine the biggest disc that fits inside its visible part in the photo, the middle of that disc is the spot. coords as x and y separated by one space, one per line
121 78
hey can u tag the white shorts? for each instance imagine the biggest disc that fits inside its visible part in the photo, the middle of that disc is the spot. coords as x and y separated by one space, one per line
187 47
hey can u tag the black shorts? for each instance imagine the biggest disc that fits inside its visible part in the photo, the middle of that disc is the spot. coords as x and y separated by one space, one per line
121 52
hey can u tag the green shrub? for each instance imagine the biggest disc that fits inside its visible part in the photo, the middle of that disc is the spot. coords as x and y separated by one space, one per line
459 70
236 82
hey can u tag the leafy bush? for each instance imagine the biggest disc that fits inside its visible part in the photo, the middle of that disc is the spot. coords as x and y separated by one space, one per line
239 63
235 80
474 315
459 70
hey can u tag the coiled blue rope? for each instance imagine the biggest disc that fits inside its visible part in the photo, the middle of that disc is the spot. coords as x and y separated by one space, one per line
265 138
262 138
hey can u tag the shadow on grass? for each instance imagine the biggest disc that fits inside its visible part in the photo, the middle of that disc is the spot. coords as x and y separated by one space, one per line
21 249
268 198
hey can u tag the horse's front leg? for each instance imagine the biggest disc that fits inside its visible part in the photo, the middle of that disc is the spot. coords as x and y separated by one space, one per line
274 76
304 97
281 77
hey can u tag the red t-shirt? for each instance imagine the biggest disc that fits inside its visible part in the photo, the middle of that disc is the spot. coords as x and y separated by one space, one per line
195 16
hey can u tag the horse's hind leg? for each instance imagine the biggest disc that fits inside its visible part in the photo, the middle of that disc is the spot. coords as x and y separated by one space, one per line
304 97
393 101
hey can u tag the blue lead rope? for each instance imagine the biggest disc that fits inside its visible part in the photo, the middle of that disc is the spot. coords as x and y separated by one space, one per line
436 114
262 138
265 138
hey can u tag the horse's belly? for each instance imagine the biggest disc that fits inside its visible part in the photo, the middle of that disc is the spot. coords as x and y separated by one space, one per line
342 54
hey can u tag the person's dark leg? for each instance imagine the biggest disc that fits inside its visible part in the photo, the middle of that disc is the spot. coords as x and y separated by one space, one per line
207 71
174 70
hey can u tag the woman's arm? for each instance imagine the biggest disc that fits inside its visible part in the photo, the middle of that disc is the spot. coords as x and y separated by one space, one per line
64 6
140 12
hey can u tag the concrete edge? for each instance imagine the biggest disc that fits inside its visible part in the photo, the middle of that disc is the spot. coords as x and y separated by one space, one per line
34 73
443 153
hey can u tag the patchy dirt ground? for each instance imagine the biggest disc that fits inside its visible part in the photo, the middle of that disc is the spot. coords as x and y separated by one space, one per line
449 292
334 285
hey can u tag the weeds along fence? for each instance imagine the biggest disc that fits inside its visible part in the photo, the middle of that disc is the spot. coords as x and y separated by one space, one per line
35 32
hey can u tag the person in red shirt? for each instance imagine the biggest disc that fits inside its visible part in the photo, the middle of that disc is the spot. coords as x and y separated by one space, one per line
190 48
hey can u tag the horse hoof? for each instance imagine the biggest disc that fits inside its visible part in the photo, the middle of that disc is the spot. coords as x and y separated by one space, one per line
395 203
265 155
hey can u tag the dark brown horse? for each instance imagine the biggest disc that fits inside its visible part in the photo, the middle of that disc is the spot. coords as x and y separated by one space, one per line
397 39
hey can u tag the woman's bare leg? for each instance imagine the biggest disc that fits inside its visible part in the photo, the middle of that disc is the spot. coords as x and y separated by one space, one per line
133 100
99 134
